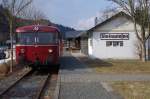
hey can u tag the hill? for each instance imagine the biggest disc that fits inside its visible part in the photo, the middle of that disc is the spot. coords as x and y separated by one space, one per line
63 29
4 26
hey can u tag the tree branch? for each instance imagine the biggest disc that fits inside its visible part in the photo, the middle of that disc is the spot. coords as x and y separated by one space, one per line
25 5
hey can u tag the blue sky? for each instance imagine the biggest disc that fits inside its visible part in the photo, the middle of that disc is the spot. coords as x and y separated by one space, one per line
73 13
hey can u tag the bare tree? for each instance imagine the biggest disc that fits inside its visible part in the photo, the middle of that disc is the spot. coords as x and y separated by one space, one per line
138 51
14 8
109 12
38 16
140 15
34 14
105 14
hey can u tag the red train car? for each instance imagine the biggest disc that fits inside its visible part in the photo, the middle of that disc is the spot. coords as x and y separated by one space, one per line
39 45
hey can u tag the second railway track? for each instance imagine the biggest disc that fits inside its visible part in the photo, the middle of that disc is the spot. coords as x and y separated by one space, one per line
29 86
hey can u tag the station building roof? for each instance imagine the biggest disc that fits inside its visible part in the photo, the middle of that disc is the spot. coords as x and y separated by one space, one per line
121 13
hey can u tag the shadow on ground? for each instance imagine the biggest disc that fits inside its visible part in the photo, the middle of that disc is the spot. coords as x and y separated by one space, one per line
68 62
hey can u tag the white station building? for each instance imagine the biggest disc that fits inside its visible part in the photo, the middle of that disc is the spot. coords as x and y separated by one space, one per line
114 38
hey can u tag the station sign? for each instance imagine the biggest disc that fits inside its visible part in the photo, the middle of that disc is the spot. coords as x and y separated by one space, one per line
114 36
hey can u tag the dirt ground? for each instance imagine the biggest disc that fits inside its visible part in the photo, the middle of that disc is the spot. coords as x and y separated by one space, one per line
132 90
5 69
118 66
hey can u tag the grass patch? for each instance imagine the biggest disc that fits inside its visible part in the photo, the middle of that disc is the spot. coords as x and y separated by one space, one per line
118 66
132 90
1 77
5 68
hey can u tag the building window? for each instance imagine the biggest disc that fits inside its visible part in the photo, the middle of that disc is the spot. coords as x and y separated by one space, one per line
108 43
121 43
114 43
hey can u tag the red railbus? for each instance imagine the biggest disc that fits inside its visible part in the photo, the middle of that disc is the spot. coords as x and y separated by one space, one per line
38 45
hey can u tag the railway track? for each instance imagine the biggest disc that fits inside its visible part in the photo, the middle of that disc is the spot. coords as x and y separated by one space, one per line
6 84
30 86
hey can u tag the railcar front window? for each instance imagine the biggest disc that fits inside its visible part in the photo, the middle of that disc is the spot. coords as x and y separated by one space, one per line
26 38
47 38
37 38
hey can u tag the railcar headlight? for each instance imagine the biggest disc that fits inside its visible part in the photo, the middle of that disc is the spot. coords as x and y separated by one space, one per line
50 50
22 51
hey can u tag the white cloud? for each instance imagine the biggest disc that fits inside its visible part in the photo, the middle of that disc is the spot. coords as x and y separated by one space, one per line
85 24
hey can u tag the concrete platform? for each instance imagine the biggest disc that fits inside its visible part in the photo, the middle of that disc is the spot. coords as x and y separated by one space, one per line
73 88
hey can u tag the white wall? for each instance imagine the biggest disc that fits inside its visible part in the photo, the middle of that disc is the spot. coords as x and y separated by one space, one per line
148 41
126 52
118 25
90 47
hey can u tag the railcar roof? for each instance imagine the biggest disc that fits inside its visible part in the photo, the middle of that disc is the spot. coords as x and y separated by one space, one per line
39 28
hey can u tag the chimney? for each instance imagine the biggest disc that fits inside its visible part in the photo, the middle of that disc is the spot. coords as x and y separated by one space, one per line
96 21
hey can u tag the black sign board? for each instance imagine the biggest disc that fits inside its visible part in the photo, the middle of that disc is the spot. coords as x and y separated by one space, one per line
114 36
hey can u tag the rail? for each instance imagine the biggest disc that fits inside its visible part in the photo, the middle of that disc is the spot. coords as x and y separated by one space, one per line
17 81
43 87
